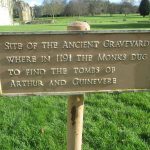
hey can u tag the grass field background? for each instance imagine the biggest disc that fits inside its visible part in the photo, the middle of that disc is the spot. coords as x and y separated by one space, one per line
119 121
111 122
131 21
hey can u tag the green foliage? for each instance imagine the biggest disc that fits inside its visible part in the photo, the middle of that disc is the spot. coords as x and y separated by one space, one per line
133 21
144 8
32 123
117 121
111 122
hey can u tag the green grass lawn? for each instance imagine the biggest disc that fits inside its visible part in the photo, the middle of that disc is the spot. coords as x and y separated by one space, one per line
97 23
111 121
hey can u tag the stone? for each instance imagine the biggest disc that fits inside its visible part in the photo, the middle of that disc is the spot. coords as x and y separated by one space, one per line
6 12
25 12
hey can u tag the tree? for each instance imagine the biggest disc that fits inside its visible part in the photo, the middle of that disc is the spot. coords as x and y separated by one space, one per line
112 8
126 8
76 8
37 11
93 6
144 8
53 7
80 7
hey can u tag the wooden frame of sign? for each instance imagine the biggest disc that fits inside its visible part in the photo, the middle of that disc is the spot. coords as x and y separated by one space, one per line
56 63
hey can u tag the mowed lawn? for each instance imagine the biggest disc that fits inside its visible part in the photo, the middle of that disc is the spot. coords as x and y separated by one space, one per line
102 22
118 121
111 122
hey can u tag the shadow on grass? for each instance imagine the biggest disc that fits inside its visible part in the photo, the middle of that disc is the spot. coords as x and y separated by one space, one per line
121 26
145 137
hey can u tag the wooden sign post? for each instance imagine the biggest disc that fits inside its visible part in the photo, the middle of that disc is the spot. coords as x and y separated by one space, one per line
0 88
75 122
75 106
73 63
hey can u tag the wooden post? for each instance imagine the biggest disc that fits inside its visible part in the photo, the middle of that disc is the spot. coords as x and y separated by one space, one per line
75 122
0 88
75 106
